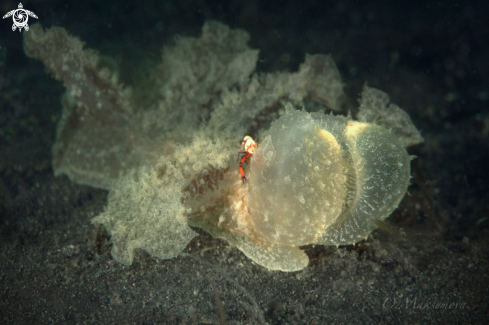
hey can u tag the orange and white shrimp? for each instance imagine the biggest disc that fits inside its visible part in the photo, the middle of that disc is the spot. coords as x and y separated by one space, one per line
249 146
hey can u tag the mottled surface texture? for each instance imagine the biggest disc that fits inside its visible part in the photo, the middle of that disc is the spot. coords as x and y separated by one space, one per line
429 57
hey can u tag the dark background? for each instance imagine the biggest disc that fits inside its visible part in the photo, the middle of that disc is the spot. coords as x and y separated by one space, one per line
431 57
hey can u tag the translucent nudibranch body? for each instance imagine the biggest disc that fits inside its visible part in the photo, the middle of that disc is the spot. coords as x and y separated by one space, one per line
324 179
313 178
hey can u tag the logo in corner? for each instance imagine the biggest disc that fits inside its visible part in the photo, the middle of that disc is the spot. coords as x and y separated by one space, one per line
20 17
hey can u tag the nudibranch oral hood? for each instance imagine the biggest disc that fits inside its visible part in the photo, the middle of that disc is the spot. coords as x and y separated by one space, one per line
324 179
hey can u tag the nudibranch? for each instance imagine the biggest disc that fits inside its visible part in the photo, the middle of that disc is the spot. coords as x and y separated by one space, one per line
313 178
